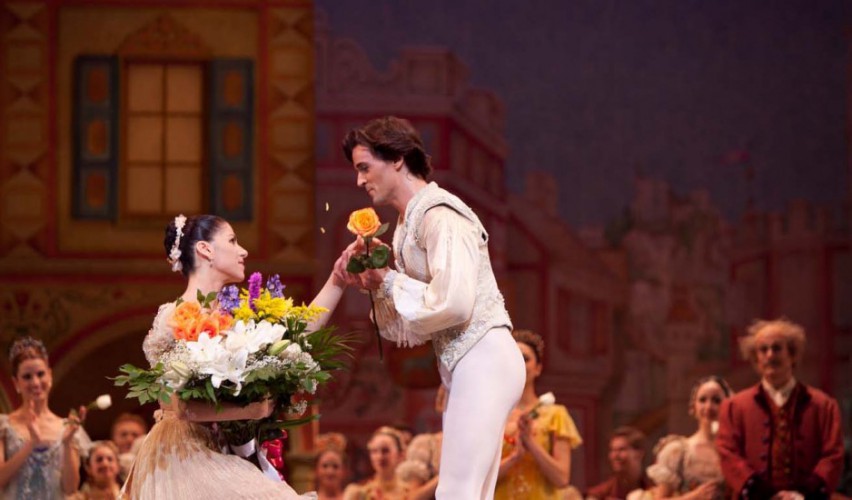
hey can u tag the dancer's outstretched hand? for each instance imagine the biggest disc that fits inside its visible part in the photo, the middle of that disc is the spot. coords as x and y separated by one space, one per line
341 276
372 279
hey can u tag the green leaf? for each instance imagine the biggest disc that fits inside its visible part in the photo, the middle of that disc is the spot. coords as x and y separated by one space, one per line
382 230
210 391
199 296
286 424
379 257
208 300
355 266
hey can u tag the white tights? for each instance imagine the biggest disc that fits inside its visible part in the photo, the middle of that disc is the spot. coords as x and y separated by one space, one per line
483 388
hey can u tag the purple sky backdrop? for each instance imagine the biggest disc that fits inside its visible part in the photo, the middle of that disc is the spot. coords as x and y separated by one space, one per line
596 90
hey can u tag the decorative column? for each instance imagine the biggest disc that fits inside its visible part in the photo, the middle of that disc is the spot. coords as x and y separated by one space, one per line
286 154
26 159
286 149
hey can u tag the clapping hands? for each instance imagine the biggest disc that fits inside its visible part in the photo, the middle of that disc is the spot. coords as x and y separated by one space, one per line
525 430
29 416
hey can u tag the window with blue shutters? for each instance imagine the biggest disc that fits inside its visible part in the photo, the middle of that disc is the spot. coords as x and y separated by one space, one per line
155 138
95 138
230 138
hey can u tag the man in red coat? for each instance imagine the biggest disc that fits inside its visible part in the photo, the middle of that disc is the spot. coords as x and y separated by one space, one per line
780 438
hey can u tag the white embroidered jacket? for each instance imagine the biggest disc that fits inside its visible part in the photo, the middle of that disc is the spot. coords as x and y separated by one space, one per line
443 288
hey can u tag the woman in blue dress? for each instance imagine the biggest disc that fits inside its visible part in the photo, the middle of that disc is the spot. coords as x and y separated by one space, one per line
39 451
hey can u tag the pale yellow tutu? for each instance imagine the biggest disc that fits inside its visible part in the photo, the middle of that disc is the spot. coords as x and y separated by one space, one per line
179 459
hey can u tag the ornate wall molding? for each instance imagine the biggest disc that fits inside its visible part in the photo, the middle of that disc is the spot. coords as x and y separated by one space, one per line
25 128
164 37
287 89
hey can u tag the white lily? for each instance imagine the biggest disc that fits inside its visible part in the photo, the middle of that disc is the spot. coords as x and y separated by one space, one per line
205 350
253 336
230 367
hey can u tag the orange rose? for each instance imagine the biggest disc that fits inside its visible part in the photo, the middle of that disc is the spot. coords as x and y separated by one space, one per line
189 321
225 320
188 331
208 325
213 324
364 222
184 320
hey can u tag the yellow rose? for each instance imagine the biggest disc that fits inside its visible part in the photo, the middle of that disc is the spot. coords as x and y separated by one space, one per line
364 222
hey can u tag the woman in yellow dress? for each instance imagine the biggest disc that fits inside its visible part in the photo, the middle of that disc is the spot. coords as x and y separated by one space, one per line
539 436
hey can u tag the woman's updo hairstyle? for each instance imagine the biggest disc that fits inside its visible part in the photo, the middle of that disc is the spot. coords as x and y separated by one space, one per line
332 442
196 228
26 348
693 393
531 339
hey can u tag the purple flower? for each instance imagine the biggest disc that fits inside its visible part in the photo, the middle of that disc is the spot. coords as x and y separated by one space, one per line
273 284
255 281
229 298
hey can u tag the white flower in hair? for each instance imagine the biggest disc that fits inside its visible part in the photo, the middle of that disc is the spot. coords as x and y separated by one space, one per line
174 253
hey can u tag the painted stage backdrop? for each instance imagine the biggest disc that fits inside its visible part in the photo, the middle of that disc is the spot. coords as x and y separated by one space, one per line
117 117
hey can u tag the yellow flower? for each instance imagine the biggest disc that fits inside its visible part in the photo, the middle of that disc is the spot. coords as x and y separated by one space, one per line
243 313
269 307
307 313
364 222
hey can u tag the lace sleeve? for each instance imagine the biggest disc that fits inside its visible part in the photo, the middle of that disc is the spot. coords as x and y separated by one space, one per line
160 337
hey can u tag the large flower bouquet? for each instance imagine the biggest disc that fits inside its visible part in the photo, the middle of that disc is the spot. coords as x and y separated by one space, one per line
252 346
